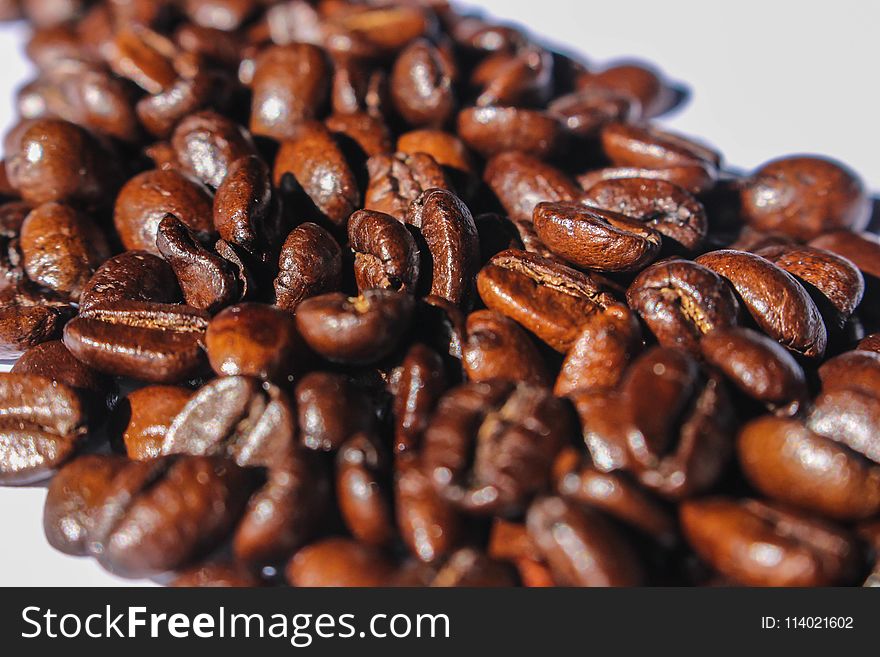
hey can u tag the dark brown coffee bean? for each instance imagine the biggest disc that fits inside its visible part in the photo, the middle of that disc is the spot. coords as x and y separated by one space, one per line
601 353
310 264
320 168
206 144
53 160
356 87
289 86
836 278
399 179
789 463
385 253
376 31
862 249
41 424
852 370
53 361
421 84
631 145
147 413
428 524
446 148
148 197
490 446
584 113
446 226
155 342
681 301
694 178
597 239
360 329
27 320
581 547
776 301
637 80
61 248
216 575
219 14
208 281
339 562
131 276
547 298
74 497
331 409
758 366
368 132
871 343
143 56
521 182
756 544
159 515
804 197
244 214
469 567
668 209
493 130
497 348
254 339
364 498
850 416
422 381
521 78
160 113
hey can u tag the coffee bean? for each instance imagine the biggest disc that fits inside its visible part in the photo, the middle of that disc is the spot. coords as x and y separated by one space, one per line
339 561
131 276
421 383
368 132
145 415
523 77
331 409
852 370
27 320
216 575
497 348
804 197
469 567
595 239
871 343
493 130
584 113
850 416
143 56
399 179
42 422
638 81
428 524
159 113
244 212
385 253
693 178
757 544
206 144
364 498
446 149
53 361
219 14
421 84
631 145
310 265
521 182
862 249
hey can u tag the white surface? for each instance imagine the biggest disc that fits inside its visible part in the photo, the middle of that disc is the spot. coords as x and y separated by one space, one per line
766 78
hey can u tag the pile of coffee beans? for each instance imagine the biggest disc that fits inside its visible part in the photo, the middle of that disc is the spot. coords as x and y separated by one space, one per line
380 293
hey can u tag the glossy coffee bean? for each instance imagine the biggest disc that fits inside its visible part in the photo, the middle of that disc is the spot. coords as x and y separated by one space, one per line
789 463
757 544
159 113
681 301
859 369
131 276
497 348
244 214
339 561
368 132
52 360
310 264
547 298
871 343
422 84
469 567
145 415
586 112
804 197
330 410
775 300
206 144
850 416
398 179
632 145
145 200
493 130
216 575
422 380
694 178
41 424
428 524
27 320
385 253
862 249
521 182
521 78
595 239
446 148
360 329
637 80
364 498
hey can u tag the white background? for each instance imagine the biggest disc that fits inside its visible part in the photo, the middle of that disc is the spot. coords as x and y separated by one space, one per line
766 78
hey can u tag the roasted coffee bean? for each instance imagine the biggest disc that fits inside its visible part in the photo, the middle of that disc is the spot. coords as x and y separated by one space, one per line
422 381
422 84
597 239
836 278
852 370
385 253
493 130
445 225
219 14
244 214
521 78
361 329
862 249
446 148
376 31
490 446
758 544
61 248
216 575
581 547
368 132
804 197
159 113
160 515
470 567
42 422
601 353
364 498
428 524
758 366
631 145
547 298
871 343
310 264
73 499
145 416
155 342
54 160
681 301
584 113
787 462
148 197
521 182
254 339
27 320
357 88
661 205
319 166
497 348
850 416
331 409
143 56
131 276
776 301
53 361
206 144
289 86
694 178
637 80
399 179
339 562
